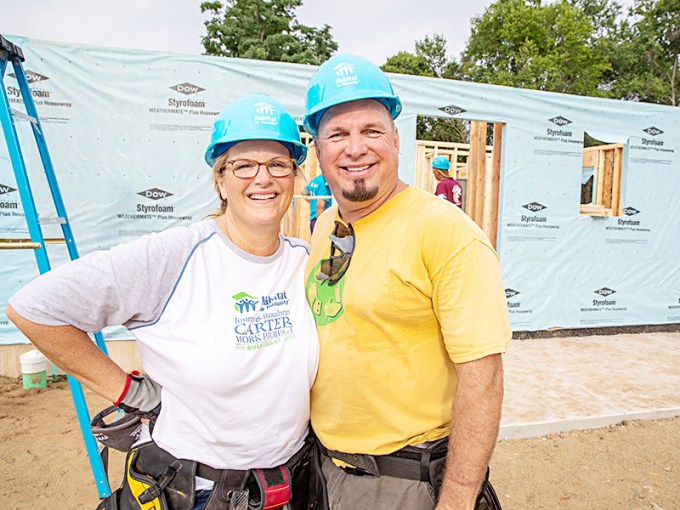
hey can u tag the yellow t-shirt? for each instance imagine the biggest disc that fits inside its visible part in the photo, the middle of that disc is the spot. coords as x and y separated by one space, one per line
423 290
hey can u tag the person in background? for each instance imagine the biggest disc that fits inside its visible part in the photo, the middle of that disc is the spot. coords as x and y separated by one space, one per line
448 188
317 187
411 313
227 340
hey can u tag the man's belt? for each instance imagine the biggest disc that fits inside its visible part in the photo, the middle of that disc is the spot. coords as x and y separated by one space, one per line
274 485
411 463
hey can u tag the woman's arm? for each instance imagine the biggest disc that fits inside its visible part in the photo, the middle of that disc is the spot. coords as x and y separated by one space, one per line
73 351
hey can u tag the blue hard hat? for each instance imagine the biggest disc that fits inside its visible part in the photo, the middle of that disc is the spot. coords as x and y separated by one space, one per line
441 163
344 78
255 117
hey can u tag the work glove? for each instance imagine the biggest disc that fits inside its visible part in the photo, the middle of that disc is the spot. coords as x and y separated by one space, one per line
141 397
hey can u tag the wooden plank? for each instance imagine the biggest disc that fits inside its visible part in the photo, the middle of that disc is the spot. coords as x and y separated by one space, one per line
480 158
593 210
471 174
419 177
295 223
616 186
590 157
477 166
599 179
454 164
607 177
494 174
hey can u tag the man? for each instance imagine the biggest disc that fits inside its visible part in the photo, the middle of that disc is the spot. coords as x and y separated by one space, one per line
410 308
317 187
448 188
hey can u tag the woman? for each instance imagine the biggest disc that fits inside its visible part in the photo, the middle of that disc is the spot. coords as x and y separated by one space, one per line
228 343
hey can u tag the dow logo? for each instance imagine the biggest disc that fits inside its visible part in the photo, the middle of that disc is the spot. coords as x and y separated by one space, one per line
31 76
155 193
654 131
187 88
344 69
244 302
604 292
560 121
534 206
452 109
630 211
511 293
6 189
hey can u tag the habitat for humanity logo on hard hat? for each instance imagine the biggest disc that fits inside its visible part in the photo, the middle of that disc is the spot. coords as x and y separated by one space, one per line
345 75
264 114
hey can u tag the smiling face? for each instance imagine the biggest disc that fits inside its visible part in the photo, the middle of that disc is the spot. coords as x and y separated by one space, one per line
357 146
260 201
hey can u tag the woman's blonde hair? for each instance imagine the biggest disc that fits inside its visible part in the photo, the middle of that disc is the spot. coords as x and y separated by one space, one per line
218 171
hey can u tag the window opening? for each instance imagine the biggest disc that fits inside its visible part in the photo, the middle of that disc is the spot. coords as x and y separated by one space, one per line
601 177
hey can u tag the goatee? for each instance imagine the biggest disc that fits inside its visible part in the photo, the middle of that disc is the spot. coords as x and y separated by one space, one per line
359 193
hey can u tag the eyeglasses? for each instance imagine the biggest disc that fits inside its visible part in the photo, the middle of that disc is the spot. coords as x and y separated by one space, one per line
248 168
334 267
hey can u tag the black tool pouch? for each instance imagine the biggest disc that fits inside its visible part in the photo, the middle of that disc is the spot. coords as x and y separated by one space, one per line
487 499
153 477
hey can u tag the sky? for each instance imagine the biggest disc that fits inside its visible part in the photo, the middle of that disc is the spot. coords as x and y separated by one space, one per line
375 29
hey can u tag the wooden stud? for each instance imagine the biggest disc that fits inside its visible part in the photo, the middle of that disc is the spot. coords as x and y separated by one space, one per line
494 178
476 171
607 160
616 182
599 179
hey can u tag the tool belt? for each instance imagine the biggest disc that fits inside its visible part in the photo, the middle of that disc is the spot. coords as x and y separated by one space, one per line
156 480
426 464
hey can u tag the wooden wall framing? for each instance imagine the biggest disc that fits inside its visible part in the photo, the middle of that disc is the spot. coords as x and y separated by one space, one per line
606 161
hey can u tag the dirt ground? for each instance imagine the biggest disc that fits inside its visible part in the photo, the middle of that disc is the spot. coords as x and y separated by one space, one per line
630 466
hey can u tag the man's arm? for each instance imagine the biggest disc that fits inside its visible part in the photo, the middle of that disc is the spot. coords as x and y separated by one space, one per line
320 207
474 428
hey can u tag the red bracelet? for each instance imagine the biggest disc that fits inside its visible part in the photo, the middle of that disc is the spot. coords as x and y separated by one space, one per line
128 380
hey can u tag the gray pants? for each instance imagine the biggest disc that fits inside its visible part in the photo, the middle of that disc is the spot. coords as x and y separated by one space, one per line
351 492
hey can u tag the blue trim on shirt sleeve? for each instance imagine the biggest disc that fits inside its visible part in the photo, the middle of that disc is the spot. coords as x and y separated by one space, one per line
181 273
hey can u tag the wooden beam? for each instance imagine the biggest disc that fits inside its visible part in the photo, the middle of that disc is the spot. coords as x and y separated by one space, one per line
616 185
607 158
494 179
476 171
599 179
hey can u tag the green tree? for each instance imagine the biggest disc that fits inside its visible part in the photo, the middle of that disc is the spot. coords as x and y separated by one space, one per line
433 50
522 43
430 59
264 30
653 48
408 63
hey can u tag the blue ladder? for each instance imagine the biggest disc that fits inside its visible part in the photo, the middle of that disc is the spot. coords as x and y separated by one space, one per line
9 52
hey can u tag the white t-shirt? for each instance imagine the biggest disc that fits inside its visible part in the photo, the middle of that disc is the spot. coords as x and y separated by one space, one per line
228 335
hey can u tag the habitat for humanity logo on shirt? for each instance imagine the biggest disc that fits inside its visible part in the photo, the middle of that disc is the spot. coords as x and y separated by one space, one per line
261 321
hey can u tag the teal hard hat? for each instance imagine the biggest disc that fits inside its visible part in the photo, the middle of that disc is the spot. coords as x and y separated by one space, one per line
441 163
343 78
255 117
